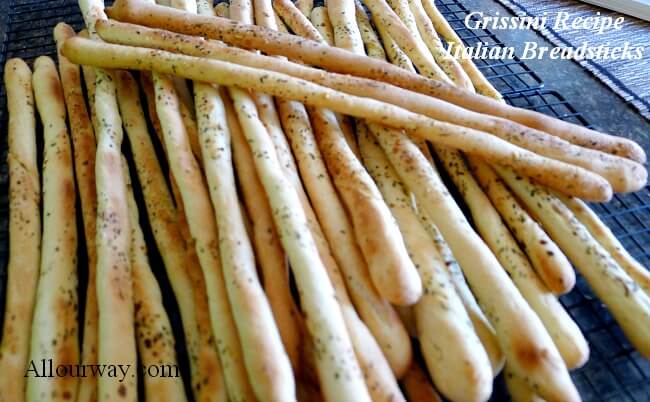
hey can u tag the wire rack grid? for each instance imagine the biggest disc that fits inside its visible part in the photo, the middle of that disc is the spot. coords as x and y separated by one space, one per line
615 372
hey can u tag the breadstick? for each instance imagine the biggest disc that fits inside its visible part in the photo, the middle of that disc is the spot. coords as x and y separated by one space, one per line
341 378
379 238
518 389
295 19
203 228
563 330
162 217
558 175
484 330
222 10
54 326
83 141
393 52
549 261
114 282
417 386
305 6
623 174
153 330
371 41
457 362
608 240
322 22
415 49
268 249
339 60
625 299
24 231
522 337
446 61
346 32
266 361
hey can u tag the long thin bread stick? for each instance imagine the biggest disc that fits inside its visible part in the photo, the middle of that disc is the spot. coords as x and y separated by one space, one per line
84 149
417 386
322 23
305 6
456 360
295 19
24 231
162 217
114 282
561 176
153 330
54 326
342 15
340 60
623 174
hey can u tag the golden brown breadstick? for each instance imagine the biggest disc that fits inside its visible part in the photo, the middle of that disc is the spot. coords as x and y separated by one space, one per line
623 174
522 337
222 10
339 60
163 217
563 330
608 240
114 282
549 261
153 331
268 249
54 326
340 378
567 178
83 141
449 344
295 19
625 299
379 238
24 231
202 225
417 386
322 22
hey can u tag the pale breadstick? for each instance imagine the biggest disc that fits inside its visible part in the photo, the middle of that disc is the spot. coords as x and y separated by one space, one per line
457 362
415 49
83 141
282 27
222 10
371 41
549 261
54 326
382 245
623 174
563 330
563 177
339 60
322 22
185 95
522 337
393 52
295 20
114 282
518 389
417 386
377 313
346 32
444 29
268 249
266 361
340 377
450 66
203 227
153 331
608 240
627 302
305 6
178 265
24 231
482 326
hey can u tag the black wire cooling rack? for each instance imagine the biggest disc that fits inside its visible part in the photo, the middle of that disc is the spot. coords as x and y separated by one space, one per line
615 372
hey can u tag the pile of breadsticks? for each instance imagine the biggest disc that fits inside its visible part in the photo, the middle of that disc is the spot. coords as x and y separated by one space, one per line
288 159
